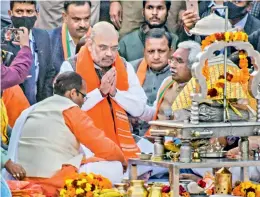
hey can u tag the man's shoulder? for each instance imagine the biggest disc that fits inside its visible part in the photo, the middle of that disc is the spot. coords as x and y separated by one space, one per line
167 81
174 37
55 32
252 18
41 32
136 63
253 22
129 37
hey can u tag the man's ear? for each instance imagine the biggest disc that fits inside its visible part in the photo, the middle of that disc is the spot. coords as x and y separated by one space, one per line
143 12
10 13
89 43
64 17
171 50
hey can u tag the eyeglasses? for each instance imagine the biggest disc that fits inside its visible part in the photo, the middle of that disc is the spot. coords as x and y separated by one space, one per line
82 94
176 60
105 47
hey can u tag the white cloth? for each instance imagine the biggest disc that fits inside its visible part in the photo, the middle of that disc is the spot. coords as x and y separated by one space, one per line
132 101
254 173
72 45
65 66
16 133
115 172
241 24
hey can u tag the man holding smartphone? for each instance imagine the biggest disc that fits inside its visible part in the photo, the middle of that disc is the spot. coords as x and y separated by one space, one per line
20 66
39 85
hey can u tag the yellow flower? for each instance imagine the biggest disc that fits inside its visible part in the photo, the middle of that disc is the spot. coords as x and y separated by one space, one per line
250 194
91 175
248 184
63 192
88 187
79 183
79 191
84 180
68 182
258 187
227 36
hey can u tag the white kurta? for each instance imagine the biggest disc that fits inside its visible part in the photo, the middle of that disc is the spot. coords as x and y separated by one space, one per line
133 101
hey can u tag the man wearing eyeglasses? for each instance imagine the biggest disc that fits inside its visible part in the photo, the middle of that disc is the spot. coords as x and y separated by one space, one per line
180 64
47 137
113 87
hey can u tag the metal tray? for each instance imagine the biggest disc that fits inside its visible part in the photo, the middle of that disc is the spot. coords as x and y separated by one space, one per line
220 154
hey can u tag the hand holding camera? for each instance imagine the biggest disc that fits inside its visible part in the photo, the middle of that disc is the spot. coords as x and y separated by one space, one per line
18 36
22 37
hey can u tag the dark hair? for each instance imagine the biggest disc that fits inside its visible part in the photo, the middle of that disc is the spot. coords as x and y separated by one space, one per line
80 44
167 3
159 33
66 82
30 2
77 3
249 2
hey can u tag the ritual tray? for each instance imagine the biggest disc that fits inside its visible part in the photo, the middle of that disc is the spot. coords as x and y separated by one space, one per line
220 154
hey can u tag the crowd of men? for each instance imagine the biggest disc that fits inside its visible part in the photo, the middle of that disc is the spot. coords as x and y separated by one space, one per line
78 88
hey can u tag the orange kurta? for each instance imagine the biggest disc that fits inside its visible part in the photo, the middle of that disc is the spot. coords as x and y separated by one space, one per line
87 134
15 102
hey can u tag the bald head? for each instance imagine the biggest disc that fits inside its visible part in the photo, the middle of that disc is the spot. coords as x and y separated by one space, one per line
104 29
103 44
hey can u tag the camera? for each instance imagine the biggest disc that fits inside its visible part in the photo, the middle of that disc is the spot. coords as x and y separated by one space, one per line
7 57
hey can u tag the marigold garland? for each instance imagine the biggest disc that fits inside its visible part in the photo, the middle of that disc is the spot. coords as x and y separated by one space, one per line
247 189
241 76
85 185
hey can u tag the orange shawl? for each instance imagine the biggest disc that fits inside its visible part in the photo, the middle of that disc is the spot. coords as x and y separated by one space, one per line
65 41
115 124
15 102
141 72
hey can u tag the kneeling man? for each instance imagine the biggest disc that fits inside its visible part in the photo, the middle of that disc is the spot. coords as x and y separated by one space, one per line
48 142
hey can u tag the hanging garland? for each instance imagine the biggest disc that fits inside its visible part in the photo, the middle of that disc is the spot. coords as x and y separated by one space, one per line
240 76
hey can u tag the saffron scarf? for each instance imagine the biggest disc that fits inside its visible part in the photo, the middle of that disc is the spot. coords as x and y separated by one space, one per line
66 41
141 72
115 124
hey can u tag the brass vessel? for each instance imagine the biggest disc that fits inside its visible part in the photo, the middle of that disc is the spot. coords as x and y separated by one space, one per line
223 181
137 189
155 192
121 187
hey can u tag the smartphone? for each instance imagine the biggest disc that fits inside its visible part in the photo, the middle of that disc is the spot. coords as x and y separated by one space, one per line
11 34
192 5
